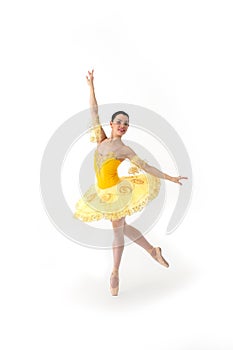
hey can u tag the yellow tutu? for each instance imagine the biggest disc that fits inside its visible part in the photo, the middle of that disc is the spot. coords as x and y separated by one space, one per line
113 197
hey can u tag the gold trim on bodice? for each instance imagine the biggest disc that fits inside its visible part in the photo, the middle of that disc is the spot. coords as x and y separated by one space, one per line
137 164
100 159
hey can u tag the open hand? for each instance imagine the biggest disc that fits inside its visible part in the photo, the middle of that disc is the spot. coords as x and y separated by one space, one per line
90 78
177 179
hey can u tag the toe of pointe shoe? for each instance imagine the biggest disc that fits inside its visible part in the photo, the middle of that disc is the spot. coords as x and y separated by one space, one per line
156 253
114 290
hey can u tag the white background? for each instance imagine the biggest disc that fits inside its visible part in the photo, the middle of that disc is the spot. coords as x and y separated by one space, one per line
174 57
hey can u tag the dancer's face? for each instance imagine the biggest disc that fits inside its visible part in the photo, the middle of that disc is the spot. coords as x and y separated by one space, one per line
119 125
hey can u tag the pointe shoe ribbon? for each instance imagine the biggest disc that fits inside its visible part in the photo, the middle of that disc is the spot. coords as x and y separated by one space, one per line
156 253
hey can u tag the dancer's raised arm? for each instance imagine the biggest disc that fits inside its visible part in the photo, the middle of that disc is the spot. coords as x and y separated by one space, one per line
97 128
141 164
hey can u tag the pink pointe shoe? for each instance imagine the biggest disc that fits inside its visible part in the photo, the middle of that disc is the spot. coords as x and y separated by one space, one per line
156 253
114 278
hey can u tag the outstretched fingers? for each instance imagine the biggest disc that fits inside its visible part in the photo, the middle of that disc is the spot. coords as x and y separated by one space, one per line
91 76
180 178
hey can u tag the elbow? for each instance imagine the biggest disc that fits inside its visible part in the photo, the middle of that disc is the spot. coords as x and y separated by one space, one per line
94 109
147 168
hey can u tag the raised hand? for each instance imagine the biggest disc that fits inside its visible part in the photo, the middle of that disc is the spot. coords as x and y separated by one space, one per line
177 179
90 78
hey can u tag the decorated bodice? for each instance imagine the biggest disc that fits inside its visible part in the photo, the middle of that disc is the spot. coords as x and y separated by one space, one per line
106 165
106 169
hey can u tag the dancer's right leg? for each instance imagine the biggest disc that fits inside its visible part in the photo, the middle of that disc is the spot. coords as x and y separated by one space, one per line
118 241
118 247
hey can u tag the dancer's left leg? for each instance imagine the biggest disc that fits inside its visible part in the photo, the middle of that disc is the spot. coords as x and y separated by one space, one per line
136 236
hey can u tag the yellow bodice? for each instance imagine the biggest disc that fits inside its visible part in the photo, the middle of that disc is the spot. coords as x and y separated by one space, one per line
106 169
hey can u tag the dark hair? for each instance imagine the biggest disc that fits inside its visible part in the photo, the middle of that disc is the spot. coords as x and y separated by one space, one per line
119 112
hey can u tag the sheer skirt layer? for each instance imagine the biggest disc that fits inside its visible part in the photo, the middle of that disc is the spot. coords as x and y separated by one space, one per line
131 194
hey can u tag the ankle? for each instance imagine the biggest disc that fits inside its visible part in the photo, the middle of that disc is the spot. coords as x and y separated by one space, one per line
115 269
150 249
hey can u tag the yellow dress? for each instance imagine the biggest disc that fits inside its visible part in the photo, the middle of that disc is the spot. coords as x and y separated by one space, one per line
113 197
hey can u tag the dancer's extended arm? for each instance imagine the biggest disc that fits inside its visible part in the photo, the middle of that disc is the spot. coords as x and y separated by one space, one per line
97 128
140 163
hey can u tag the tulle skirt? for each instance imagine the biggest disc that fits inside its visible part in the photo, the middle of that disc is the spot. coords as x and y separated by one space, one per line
131 194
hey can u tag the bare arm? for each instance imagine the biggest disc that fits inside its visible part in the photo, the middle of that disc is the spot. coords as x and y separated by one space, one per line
98 130
92 100
140 163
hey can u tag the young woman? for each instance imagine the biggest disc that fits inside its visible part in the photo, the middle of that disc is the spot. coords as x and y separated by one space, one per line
115 197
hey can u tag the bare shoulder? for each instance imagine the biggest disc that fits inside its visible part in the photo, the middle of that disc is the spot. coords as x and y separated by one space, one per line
127 152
